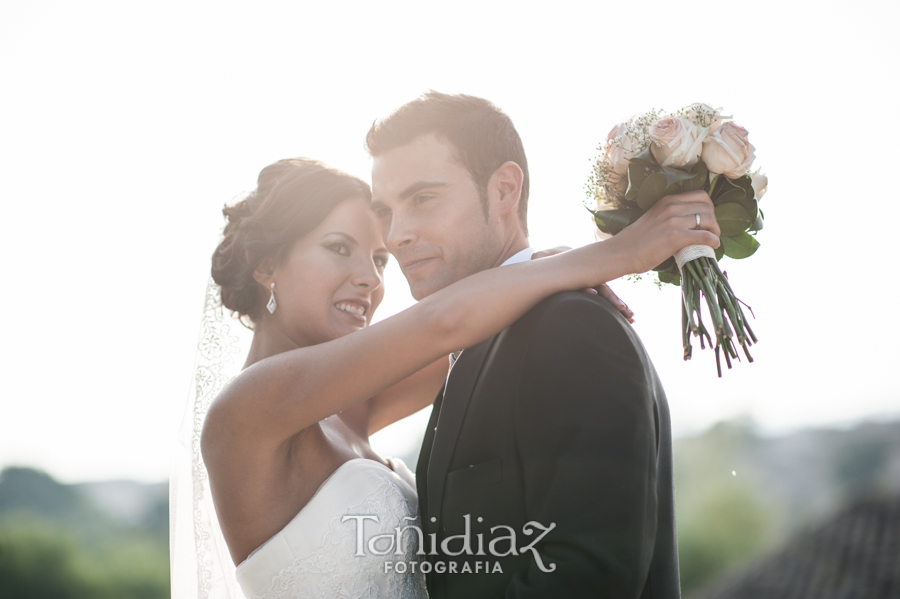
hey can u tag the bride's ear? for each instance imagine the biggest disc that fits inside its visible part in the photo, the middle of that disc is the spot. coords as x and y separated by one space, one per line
264 273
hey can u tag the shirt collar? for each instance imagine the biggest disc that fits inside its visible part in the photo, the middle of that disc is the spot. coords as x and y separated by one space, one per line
523 256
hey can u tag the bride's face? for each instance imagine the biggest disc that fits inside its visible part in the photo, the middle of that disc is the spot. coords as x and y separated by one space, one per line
333 278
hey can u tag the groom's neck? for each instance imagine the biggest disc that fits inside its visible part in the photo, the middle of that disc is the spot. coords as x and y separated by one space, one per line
512 247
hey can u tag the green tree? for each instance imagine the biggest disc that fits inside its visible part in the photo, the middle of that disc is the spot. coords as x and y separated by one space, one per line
55 545
721 530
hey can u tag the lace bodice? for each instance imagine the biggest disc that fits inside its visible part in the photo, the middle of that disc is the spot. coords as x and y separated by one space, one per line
317 553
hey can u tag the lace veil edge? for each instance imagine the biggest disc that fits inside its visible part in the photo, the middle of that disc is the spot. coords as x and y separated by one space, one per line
201 566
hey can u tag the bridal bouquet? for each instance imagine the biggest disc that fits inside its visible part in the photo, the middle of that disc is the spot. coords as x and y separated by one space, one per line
653 155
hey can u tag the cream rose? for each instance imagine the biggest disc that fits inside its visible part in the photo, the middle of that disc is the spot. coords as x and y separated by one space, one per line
759 183
676 143
728 152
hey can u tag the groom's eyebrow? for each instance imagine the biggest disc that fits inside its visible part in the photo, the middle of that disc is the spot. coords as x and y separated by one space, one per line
419 186
410 192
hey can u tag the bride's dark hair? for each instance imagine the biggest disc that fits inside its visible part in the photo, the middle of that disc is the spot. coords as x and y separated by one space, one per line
292 197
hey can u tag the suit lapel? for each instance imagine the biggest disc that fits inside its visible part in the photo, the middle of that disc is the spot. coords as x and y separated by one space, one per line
425 455
457 393
428 439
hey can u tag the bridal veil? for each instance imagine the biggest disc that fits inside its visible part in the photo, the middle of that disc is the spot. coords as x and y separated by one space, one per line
201 566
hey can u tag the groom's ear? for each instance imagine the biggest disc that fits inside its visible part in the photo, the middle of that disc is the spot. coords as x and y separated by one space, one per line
505 187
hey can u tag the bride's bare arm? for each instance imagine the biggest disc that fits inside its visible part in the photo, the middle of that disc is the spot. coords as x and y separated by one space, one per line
282 395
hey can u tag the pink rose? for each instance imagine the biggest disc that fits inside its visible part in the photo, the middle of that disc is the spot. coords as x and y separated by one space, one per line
676 143
728 152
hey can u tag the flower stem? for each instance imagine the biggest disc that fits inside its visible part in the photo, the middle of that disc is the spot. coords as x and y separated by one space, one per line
702 276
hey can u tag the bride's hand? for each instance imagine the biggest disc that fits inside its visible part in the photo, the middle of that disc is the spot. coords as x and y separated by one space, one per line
667 227
603 290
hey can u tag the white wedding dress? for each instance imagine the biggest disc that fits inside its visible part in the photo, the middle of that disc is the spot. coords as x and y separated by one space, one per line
316 554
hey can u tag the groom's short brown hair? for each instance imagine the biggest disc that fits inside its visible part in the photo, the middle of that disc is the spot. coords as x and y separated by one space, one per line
483 135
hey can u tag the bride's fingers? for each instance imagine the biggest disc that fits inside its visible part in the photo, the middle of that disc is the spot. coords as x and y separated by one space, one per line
701 237
686 213
670 226
688 197
609 295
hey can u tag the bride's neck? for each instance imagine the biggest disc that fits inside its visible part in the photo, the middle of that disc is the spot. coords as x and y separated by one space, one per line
268 341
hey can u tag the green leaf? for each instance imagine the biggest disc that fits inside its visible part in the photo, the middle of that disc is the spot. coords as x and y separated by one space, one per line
733 219
637 173
720 251
673 278
668 266
733 194
613 221
674 175
751 205
744 182
700 175
742 245
727 193
651 190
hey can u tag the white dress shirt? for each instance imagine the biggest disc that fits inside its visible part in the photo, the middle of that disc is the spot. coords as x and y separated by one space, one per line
523 256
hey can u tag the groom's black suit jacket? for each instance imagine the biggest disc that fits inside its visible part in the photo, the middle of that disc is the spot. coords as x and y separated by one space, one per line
560 419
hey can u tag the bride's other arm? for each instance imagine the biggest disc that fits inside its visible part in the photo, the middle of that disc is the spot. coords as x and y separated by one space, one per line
408 396
282 395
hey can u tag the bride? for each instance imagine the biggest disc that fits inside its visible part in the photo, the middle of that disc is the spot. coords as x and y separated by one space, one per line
297 492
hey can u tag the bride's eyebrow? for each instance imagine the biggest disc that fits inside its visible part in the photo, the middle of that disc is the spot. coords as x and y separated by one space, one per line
349 238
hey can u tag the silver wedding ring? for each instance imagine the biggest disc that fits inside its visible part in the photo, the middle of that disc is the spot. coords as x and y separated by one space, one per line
697 216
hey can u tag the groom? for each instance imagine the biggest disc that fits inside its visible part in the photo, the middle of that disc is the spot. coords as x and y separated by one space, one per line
546 469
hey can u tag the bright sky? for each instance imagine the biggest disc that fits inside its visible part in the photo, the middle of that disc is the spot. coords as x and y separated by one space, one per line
124 128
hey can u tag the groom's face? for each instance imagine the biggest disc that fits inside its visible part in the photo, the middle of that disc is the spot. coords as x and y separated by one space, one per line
431 215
